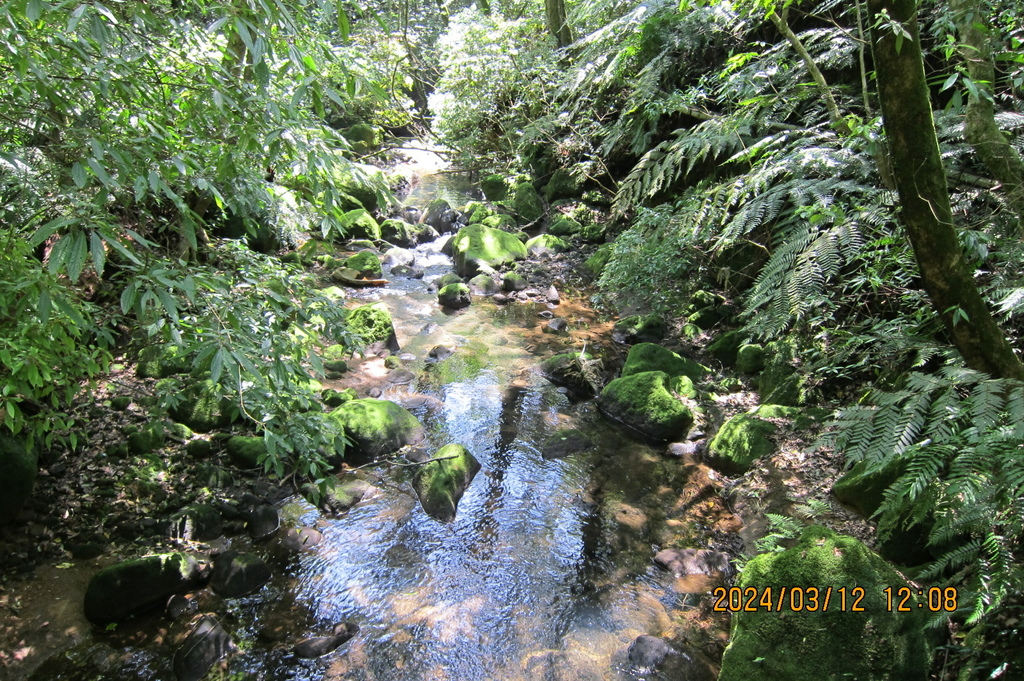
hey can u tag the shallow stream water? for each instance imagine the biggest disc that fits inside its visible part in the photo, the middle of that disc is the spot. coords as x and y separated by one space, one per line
545 573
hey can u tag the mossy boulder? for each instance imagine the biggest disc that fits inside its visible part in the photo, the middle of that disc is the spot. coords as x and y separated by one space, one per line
567 369
646 403
595 264
780 382
475 245
483 285
364 226
639 329
449 278
366 263
373 323
750 358
506 223
246 451
651 357
335 398
399 232
546 244
454 296
526 202
562 185
148 438
441 483
196 522
826 645
132 587
377 427
18 470
161 361
863 487
363 138
563 225
237 574
494 187
740 441
514 282
478 212
203 409
727 346
364 183
439 215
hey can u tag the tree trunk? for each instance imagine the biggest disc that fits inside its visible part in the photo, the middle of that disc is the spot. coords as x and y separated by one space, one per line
558 22
921 184
988 141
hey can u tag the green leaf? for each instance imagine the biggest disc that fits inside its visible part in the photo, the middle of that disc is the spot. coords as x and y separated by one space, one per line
47 230
343 25
101 173
44 305
34 10
78 175
99 254
77 253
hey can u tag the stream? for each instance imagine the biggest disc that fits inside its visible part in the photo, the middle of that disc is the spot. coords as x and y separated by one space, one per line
546 571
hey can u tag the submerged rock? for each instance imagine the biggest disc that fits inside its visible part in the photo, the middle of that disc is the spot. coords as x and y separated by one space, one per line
648 652
441 483
262 522
579 372
836 642
345 495
237 574
564 443
207 643
693 561
321 645
301 538
132 587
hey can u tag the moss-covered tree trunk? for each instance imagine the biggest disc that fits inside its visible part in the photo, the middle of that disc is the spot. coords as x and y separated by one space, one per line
988 141
558 22
921 184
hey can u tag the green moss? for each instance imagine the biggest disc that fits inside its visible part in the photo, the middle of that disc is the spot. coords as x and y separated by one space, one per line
336 398
527 202
543 244
779 382
514 282
18 468
505 223
864 489
366 263
441 483
595 264
563 225
834 644
161 361
361 182
726 347
644 402
494 187
651 357
246 452
639 328
202 408
120 403
740 441
363 227
562 185
454 296
476 244
449 278
147 439
335 352
750 358
377 427
363 138
372 322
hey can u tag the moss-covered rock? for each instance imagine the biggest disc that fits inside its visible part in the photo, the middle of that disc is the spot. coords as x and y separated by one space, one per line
546 244
161 361
595 264
646 403
377 427
477 212
563 225
441 483
366 263
132 587
364 226
750 358
203 409
567 369
650 357
148 438
779 382
727 346
454 296
562 185
830 644
196 522
237 574
246 451
494 187
476 244
740 441
514 282
373 323
364 183
639 329
506 223
363 138
335 398
399 232
449 278
18 469
439 215
483 285
526 202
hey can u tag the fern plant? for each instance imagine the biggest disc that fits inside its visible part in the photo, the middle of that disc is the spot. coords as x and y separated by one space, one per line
959 437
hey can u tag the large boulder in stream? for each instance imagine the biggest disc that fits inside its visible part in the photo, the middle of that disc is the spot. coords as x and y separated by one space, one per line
373 323
526 202
579 372
120 591
454 296
825 642
475 245
650 357
439 215
377 427
237 574
18 469
649 402
441 483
